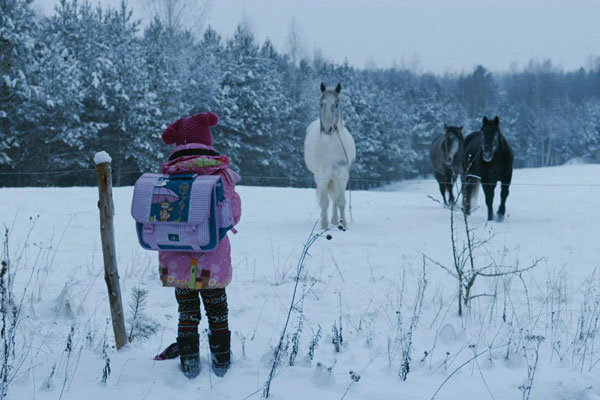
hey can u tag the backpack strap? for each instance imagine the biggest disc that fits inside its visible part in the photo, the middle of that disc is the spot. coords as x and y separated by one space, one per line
149 236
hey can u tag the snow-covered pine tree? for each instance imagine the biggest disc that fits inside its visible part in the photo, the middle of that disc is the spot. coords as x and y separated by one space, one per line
61 134
432 107
129 108
302 91
253 104
17 39
163 82
206 73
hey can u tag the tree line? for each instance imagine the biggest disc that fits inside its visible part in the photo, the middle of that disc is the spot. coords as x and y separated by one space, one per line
90 78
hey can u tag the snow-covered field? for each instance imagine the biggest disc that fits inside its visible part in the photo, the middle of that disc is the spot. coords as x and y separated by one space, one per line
368 274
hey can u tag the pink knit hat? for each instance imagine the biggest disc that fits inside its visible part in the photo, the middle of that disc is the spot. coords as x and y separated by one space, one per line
194 129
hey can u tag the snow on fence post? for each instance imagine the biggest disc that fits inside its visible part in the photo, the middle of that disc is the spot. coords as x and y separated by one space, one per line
111 273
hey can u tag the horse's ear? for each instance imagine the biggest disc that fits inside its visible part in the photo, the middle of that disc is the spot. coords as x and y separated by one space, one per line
485 120
445 126
460 135
496 121
338 88
323 87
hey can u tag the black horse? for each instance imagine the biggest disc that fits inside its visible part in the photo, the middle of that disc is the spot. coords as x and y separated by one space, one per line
446 159
488 158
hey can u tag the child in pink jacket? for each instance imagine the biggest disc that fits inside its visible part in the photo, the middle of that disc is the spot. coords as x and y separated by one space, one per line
195 153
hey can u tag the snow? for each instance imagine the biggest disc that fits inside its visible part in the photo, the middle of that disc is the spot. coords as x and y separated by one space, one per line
102 157
365 266
95 80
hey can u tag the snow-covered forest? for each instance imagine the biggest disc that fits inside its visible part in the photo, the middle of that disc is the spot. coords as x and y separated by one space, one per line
88 78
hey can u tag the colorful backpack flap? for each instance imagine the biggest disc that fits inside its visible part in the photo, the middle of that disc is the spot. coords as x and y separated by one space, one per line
186 212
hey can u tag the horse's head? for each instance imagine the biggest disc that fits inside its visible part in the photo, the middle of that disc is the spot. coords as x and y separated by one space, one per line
491 138
331 108
452 142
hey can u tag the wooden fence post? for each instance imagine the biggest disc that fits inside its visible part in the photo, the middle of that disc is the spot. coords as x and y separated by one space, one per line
111 273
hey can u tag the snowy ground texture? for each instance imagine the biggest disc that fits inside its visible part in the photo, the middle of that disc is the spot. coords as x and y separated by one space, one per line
367 276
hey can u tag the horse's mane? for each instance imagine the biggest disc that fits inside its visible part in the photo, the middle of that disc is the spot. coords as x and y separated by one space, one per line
471 136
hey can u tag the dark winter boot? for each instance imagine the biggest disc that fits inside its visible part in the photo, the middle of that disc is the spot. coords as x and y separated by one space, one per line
220 350
189 355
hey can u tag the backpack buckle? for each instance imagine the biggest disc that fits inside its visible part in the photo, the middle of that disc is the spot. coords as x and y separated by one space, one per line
162 181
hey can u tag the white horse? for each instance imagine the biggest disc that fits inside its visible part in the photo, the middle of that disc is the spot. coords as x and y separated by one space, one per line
329 152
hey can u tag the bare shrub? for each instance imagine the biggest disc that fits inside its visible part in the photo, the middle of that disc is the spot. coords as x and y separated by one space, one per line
464 268
531 352
106 368
406 338
314 342
12 354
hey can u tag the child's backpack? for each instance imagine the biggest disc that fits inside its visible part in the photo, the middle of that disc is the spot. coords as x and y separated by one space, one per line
186 212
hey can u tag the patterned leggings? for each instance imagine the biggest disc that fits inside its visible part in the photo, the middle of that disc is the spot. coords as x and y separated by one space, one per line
215 304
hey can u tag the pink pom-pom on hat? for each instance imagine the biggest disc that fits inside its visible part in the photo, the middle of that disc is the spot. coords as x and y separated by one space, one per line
194 129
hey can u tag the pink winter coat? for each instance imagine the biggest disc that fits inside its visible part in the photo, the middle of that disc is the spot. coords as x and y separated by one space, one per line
214 267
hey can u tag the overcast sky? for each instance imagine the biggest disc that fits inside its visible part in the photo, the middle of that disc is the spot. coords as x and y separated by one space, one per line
434 35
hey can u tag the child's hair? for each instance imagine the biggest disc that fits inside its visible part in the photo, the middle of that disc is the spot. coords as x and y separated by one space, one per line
193 152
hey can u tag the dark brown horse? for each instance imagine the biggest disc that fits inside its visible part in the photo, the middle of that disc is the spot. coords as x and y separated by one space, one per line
488 158
446 159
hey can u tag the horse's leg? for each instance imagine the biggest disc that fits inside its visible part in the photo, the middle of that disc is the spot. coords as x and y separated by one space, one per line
488 189
441 181
468 187
339 190
333 192
449 184
503 195
322 194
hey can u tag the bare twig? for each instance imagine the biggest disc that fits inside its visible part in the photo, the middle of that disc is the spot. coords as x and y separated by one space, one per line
312 238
